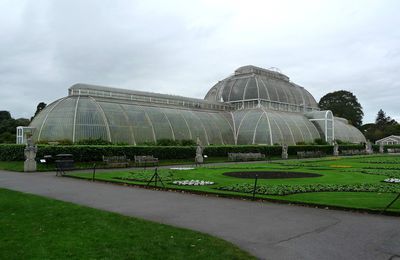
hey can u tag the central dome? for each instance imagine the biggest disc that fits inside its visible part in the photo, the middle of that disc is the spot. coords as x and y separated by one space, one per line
266 86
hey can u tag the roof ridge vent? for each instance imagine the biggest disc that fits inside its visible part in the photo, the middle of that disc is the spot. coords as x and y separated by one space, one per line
272 72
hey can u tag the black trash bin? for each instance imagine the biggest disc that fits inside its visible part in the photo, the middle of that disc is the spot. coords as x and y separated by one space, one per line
64 162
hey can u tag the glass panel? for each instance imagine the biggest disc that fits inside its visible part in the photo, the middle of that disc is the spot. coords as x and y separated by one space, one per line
291 120
262 132
178 123
227 89
277 136
270 87
262 88
137 119
39 118
59 122
195 125
251 89
238 89
213 133
246 128
89 121
120 130
285 127
289 93
224 126
162 127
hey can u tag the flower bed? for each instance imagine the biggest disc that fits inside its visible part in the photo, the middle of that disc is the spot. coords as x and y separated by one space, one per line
382 168
271 174
392 180
387 173
144 176
293 189
193 183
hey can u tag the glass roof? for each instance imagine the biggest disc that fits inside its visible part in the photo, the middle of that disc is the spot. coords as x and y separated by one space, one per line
251 82
253 106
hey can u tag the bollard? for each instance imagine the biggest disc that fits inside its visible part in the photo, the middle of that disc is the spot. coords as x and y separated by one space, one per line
156 174
255 187
94 172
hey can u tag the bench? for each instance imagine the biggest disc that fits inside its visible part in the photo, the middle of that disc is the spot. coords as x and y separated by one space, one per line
352 152
393 150
116 161
245 156
309 154
143 160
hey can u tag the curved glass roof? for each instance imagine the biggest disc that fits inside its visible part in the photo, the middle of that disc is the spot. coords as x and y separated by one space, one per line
262 126
142 96
82 117
253 106
253 83
346 132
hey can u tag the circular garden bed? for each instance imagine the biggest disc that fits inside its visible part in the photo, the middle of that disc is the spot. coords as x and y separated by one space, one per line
271 175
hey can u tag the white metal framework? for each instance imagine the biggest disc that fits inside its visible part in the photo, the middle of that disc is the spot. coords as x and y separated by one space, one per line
253 106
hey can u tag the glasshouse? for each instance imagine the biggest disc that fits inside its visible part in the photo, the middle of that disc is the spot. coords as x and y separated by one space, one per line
252 106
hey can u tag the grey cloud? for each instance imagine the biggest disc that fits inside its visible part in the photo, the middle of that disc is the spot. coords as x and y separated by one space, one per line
185 48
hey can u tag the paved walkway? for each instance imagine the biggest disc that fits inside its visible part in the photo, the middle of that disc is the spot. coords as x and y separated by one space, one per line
269 231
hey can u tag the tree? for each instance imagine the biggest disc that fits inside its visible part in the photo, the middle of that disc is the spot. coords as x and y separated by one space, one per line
39 108
8 126
383 126
382 121
5 115
343 104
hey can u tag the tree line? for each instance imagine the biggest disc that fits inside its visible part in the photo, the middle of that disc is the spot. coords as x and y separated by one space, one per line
8 125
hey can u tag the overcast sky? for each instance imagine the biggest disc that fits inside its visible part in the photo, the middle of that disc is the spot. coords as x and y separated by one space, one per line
185 47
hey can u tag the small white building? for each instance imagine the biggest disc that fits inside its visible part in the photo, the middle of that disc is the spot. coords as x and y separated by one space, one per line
393 139
23 133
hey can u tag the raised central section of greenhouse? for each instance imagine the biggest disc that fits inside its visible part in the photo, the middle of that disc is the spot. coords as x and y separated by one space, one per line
253 106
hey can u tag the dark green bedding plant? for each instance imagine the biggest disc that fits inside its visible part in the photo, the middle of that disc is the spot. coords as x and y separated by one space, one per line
165 175
388 173
293 189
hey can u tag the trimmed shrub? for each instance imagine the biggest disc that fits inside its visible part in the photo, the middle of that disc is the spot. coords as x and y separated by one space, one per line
327 149
167 142
88 153
170 142
91 141
12 152
351 147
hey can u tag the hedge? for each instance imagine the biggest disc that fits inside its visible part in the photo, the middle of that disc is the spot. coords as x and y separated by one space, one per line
12 152
87 153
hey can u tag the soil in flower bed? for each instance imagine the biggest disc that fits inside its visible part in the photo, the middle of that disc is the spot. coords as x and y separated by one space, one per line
271 175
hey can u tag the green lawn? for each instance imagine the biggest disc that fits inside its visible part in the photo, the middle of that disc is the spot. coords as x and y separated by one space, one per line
358 200
33 227
352 182
18 166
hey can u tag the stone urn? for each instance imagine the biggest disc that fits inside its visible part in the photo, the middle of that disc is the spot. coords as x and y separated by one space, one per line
335 149
199 153
381 148
30 156
368 148
285 151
